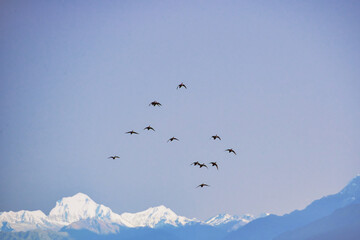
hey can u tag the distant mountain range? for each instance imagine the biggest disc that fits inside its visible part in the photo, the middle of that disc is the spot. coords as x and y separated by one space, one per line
270 227
332 217
81 212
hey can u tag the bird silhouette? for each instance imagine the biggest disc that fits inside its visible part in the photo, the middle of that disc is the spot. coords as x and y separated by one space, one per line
114 157
214 164
149 128
230 150
155 103
202 165
172 139
203 185
195 163
132 132
215 137
181 85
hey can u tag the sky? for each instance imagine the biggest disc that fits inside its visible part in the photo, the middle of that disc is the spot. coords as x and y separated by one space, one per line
278 81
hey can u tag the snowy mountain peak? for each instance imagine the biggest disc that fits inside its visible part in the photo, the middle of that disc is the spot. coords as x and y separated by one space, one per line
23 220
232 222
80 196
80 211
77 199
24 216
160 210
226 218
155 217
79 207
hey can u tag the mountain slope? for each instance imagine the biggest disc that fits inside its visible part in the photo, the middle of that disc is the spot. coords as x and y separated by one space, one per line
156 217
94 225
25 220
344 223
269 227
229 222
35 235
79 207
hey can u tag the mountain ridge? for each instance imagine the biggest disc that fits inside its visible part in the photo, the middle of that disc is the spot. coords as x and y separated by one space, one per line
271 226
80 209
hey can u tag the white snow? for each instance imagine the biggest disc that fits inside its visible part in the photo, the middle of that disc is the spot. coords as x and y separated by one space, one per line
81 207
26 220
154 217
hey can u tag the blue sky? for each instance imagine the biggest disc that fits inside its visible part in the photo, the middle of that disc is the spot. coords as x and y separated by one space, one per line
279 82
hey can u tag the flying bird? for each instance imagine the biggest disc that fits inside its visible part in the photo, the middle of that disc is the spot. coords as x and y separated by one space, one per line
149 128
195 163
203 185
114 157
214 164
131 132
230 150
155 103
215 137
181 85
172 139
202 165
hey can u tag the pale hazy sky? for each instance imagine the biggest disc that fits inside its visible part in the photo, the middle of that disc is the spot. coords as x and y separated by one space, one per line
279 81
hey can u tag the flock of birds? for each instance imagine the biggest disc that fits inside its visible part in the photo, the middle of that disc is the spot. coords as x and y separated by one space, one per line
197 163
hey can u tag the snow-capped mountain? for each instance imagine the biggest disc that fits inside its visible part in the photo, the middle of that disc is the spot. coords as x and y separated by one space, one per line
155 217
80 206
26 220
226 218
97 226
232 222
78 209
